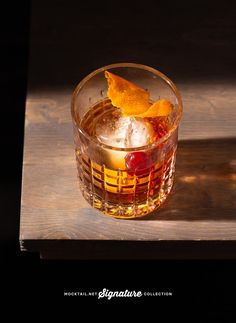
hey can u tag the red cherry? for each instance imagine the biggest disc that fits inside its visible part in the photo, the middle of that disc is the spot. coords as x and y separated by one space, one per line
137 161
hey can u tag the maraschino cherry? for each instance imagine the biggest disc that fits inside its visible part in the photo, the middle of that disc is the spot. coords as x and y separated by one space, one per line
137 161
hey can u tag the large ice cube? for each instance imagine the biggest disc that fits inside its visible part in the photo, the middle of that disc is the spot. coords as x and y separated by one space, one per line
123 132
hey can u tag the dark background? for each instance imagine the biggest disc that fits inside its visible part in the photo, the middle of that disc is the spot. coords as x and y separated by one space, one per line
208 285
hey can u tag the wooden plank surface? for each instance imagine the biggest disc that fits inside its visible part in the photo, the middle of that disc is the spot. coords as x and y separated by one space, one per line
202 205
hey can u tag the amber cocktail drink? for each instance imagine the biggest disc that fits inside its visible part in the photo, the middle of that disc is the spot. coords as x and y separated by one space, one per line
125 137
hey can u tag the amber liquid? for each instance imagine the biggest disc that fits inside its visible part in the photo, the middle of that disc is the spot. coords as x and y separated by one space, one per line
119 188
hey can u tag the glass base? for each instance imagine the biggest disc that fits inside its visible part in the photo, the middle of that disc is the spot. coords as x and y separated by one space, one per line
127 212
134 210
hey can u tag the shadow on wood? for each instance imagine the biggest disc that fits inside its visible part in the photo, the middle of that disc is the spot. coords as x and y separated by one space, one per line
205 183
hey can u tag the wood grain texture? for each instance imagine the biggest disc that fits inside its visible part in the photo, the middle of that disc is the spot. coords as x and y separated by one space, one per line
201 207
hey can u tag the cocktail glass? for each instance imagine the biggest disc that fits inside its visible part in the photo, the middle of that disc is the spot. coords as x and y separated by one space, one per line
120 173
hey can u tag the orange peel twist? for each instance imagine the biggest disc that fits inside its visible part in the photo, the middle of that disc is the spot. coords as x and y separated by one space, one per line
133 100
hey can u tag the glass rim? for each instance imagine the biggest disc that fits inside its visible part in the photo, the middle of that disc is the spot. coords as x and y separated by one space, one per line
132 65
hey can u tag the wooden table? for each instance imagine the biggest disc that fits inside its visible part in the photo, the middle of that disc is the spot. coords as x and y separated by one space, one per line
199 218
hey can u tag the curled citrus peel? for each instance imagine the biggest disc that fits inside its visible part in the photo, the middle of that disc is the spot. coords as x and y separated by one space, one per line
133 100
161 108
127 96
